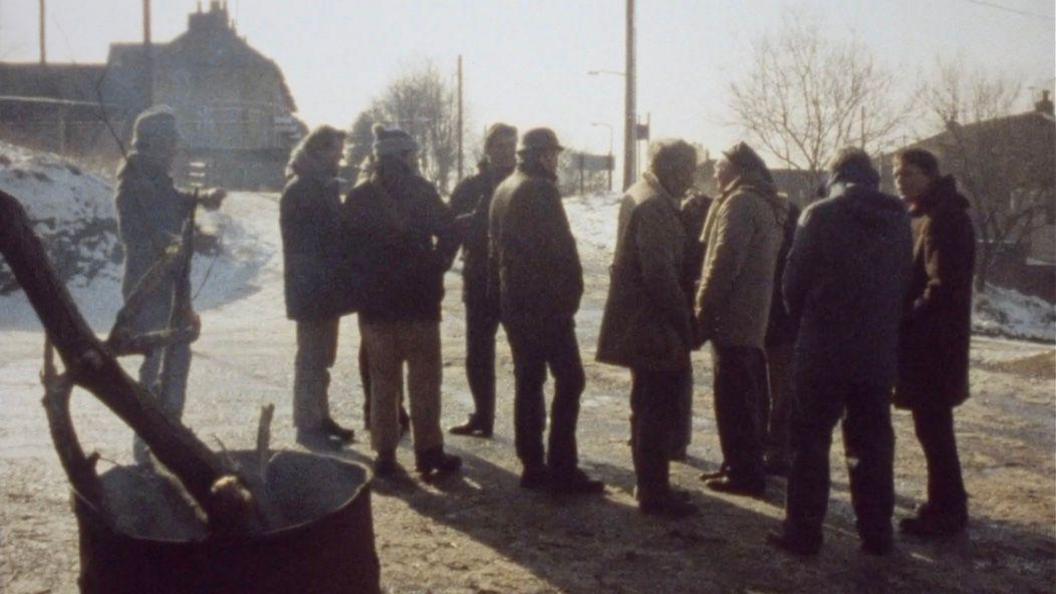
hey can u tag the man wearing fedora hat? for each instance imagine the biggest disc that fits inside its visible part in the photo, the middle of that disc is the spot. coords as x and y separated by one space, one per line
535 274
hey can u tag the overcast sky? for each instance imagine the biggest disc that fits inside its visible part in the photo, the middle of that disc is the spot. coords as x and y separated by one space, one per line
526 61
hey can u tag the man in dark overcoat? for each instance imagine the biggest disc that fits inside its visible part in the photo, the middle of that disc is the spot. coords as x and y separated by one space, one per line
535 274
470 203
936 334
315 264
647 325
845 280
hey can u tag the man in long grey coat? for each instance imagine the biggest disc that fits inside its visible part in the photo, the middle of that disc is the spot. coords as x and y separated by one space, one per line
648 322
846 279
151 214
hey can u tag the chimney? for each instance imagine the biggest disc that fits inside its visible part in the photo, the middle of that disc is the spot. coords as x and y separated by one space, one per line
1045 104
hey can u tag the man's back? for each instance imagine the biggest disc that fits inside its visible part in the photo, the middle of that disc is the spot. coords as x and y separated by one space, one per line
846 276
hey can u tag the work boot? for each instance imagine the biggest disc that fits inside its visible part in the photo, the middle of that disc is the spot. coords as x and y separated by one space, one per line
931 522
670 504
335 431
436 461
575 482
535 476
794 544
385 464
473 427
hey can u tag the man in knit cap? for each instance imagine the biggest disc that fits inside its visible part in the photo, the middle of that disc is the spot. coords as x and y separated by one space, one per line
535 274
742 236
471 202
405 237
151 214
315 263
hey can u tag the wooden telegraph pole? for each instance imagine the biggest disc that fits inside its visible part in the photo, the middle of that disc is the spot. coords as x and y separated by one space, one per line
629 120
459 117
148 58
43 46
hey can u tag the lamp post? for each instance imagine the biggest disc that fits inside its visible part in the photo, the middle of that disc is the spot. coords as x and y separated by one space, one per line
611 162
630 120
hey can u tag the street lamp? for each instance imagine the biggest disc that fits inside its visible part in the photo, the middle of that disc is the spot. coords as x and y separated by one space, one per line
630 121
611 162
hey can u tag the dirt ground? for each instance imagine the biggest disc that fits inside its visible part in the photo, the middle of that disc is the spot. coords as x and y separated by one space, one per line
478 532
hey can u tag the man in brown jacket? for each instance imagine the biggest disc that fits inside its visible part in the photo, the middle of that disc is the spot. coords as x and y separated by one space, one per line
742 235
535 273
648 321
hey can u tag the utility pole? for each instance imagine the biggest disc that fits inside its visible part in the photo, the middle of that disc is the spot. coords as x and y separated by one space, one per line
459 117
148 57
43 48
629 119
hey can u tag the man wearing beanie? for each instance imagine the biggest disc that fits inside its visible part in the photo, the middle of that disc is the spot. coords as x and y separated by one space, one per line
151 214
846 278
406 239
315 265
470 202
742 235
534 271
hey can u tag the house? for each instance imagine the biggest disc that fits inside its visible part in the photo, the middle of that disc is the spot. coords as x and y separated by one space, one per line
235 111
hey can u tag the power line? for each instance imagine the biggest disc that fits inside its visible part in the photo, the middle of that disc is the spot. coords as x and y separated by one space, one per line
1012 10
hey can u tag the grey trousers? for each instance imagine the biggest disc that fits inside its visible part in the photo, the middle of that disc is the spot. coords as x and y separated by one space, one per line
316 353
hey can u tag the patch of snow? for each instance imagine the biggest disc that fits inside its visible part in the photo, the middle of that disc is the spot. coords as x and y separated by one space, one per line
1008 313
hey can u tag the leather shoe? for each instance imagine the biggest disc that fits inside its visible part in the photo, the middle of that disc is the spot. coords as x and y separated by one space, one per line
332 429
668 505
471 428
932 523
385 464
738 486
436 461
535 477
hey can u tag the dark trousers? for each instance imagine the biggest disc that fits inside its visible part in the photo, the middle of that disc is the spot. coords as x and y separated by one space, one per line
776 409
655 412
534 350
482 323
934 428
869 444
740 376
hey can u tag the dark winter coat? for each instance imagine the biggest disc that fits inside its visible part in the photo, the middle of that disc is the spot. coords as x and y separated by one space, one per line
533 264
781 327
470 203
933 363
648 321
846 279
319 280
404 239
151 213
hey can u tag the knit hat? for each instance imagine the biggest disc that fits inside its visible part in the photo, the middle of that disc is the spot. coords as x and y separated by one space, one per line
393 141
538 139
499 130
156 123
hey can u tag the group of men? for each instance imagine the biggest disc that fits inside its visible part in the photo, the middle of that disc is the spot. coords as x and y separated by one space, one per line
811 318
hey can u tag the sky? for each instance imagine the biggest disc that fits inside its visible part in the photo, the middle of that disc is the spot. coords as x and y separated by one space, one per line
526 61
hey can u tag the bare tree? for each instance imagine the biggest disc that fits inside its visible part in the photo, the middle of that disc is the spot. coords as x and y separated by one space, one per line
422 103
1003 162
805 96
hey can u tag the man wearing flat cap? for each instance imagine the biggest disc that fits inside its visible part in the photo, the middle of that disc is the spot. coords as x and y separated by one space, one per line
471 202
535 274
151 214
742 235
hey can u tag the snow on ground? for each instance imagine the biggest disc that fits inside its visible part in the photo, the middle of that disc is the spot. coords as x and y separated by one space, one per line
1008 313
73 211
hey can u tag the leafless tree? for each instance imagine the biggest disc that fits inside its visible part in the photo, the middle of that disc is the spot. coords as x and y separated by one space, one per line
421 102
805 95
1003 162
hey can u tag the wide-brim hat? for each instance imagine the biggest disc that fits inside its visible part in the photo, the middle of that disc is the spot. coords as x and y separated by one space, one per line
539 139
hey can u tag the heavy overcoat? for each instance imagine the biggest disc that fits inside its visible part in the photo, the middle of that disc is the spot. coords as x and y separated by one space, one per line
533 264
317 269
470 203
647 322
933 350
742 235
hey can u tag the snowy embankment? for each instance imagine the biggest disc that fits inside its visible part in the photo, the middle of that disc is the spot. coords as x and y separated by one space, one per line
73 211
